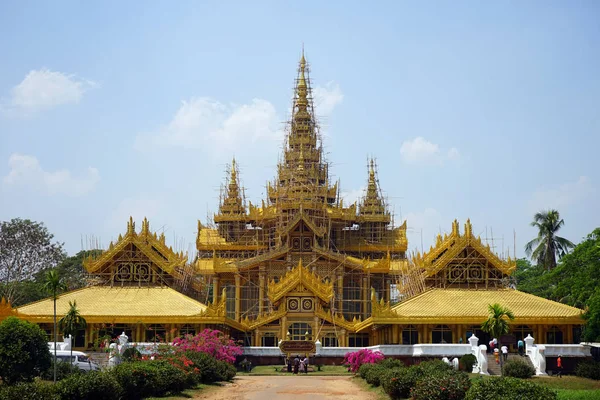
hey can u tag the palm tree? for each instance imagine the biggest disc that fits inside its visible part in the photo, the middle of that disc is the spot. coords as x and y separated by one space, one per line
497 323
71 323
547 244
53 285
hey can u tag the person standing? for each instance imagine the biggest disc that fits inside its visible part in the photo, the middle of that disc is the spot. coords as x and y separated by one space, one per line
305 361
497 355
296 364
521 346
504 350
559 366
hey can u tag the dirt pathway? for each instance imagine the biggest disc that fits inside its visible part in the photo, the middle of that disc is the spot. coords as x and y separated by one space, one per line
288 388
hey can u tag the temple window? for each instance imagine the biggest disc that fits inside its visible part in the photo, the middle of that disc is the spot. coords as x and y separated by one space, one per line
521 332
554 336
298 331
410 335
113 331
330 340
268 339
441 334
187 330
155 333
358 340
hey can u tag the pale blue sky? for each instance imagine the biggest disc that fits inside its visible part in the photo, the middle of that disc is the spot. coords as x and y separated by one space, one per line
487 110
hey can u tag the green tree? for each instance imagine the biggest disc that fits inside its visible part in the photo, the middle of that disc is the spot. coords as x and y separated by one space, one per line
71 323
26 248
23 351
547 245
54 286
497 323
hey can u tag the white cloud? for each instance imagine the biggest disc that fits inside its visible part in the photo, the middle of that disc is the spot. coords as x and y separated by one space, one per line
327 97
43 89
26 170
421 151
560 196
353 196
206 123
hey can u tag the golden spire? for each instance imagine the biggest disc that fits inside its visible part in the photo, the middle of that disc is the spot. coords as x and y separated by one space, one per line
232 202
372 203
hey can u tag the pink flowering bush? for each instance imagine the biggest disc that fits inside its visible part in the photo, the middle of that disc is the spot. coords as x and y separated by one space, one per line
211 342
365 356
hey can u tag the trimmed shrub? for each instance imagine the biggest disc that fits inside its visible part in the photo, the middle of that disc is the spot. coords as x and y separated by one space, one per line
28 391
136 378
467 361
397 382
518 369
390 363
374 374
444 385
432 367
364 369
588 369
508 389
63 369
90 386
23 351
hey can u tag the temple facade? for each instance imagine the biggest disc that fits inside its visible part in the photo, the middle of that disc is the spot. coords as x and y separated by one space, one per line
303 265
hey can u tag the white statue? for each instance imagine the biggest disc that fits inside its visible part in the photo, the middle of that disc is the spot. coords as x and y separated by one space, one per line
117 350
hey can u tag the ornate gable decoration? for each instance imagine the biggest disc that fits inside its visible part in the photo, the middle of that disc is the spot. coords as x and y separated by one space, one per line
6 309
151 245
300 277
450 246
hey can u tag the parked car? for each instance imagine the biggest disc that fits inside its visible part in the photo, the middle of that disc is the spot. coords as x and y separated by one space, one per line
78 358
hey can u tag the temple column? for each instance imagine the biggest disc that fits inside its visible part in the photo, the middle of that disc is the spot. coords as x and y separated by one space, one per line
261 290
315 329
459 334
344 338
426 334
388 283
396 334
365 297
568 333
340 291
238 296
284 328
215 289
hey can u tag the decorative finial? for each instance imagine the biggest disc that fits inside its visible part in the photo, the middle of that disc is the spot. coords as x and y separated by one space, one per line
468 228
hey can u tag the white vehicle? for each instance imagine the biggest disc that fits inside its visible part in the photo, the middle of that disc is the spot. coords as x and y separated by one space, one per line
78 358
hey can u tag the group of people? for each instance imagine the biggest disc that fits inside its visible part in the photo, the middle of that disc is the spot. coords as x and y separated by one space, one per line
297 365
493 348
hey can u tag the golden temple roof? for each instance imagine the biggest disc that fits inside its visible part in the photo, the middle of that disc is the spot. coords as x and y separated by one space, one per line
471 306
448 247
152 245
118 304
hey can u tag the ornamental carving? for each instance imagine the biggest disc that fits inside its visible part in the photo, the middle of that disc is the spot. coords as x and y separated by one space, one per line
300 276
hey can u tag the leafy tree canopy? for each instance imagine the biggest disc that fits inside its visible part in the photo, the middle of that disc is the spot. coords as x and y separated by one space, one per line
26 248
575 281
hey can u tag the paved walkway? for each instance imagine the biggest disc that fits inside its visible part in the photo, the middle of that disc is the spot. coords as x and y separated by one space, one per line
288 388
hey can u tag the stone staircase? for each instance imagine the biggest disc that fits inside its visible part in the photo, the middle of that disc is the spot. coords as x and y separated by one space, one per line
494 369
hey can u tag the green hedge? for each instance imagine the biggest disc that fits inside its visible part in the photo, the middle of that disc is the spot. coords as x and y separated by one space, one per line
29 391
588 369
63 369
130 380
518 369
507 388
442 385
467 361
93 385
397 382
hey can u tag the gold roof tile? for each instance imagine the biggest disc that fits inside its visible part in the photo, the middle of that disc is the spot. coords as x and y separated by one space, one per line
118 302
456 305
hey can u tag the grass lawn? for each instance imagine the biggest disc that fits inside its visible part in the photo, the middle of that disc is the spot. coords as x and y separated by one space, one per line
568 387
276 370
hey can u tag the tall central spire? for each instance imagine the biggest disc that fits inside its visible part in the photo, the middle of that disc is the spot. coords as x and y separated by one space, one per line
302 172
